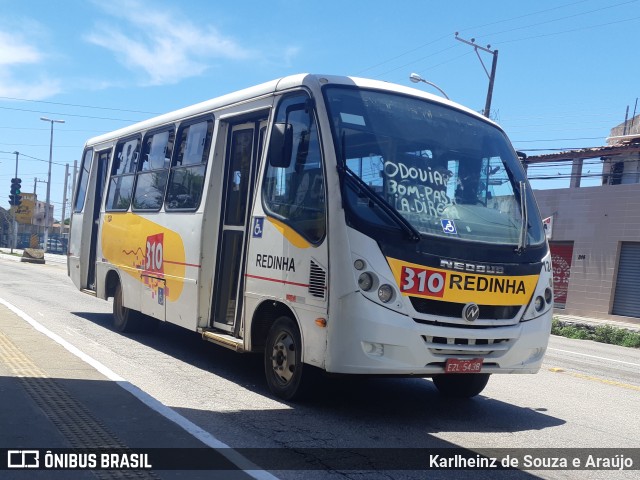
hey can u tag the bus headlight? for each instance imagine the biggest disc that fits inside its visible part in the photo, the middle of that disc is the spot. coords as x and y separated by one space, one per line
548 295
385 293
365 281
539 304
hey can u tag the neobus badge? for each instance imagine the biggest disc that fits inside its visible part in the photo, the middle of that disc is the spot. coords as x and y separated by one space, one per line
471 267
471 312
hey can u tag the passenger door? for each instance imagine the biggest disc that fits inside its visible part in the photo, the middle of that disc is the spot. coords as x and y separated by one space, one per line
244 148
102 166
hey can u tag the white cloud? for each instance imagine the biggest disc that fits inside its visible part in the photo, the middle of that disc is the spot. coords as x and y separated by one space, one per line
161 44
289 54
38 90
16 52
13 50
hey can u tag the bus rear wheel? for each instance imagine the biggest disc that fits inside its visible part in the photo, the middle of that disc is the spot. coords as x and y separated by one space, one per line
283 359
127 320
461 385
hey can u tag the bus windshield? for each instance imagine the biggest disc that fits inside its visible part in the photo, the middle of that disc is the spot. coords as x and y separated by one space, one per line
445 172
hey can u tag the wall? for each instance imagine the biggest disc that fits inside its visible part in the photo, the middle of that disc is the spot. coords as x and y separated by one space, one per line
597 220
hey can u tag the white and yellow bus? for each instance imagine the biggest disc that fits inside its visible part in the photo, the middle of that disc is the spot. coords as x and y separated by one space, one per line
351 225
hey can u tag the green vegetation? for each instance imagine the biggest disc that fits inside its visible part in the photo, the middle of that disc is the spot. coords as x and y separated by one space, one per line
602 334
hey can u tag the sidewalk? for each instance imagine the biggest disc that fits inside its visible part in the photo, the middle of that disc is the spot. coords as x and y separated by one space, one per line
596 322
17 255
52 399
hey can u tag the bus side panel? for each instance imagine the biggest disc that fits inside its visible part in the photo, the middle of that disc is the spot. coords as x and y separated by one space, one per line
279 270
153 263
182 309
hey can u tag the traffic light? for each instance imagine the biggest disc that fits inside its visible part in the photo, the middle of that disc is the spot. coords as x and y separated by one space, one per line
15 198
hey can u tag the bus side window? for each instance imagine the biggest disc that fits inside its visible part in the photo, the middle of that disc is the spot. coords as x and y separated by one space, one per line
296 193
186 180
123 172
151 179
83 180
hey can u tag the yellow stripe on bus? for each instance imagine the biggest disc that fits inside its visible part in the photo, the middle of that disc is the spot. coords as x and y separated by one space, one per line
141 247
290 234
462 287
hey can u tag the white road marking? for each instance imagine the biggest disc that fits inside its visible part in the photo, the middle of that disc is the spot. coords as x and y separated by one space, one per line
193 429
594 356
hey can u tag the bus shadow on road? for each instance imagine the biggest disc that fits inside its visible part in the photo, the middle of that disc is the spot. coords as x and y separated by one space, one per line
371 403
99 417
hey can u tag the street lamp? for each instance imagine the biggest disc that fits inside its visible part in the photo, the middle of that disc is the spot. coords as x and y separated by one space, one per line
46 210
415 78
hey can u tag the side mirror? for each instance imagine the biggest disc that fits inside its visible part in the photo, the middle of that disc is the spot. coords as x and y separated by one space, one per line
281 145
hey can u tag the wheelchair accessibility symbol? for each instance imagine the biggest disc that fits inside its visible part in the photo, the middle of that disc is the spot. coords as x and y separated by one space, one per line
258 223
448 226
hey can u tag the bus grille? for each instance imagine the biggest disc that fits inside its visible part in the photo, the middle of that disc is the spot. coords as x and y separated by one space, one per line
466 346
454 310
317 281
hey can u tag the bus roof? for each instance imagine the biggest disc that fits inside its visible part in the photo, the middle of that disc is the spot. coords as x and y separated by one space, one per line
268 88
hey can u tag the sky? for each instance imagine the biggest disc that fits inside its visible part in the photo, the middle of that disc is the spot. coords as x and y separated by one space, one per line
567 69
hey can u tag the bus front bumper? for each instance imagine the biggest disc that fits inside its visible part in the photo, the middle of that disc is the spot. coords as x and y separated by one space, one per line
370 339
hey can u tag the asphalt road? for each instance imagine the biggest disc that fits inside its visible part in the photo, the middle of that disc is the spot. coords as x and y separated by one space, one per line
586 395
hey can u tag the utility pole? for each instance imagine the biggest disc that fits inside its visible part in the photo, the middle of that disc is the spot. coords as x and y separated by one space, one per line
35 183
492 75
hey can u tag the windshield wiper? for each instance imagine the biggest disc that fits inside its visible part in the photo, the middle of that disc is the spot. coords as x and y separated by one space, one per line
522 240
391 212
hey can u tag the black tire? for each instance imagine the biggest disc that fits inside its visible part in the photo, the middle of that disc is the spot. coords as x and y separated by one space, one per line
126 320
283 359
461 385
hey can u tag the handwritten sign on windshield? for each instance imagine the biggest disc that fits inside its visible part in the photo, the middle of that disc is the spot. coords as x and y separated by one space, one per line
417 190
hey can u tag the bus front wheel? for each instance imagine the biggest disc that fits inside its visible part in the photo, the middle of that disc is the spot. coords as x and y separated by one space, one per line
461 385
283 359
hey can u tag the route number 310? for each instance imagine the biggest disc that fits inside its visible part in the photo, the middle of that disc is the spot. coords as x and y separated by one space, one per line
154 253
422 281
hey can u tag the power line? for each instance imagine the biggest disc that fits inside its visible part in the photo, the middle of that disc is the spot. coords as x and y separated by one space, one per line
403 54
36 129
560 18
561 149
78 105
580 114
40 145
546 124
568 175
420 59
35 158
523 16
571 30
556 140
566 163
461 30
68 114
